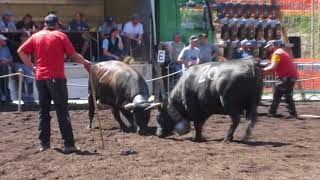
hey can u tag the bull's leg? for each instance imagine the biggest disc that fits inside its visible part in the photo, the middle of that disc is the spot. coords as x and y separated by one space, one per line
198 127
235 119
129 116
251 117
91 110
116 114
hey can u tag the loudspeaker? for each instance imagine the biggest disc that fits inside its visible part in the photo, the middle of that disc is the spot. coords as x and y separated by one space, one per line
296 49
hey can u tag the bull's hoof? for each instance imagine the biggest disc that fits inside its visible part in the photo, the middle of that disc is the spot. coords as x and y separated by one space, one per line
142 132
227 140
162 133
124 129
132 129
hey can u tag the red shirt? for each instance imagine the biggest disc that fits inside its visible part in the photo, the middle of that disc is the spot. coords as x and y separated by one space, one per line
286 67
49 48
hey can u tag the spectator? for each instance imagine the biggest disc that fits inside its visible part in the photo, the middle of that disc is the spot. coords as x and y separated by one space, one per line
50 46
5 60
26 24
175 47
27 90
39 25
6 22
287 74
107 26
133 31
78 23
245 48
207 50
112 46
190 55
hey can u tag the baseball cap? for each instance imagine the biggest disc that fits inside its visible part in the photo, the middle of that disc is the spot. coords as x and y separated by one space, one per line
269 43
193 38
2 37
135 16
51 20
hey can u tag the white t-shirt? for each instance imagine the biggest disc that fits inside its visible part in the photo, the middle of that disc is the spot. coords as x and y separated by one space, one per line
130 29
189 54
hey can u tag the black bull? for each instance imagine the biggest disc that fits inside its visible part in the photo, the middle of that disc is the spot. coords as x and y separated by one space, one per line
124 89
230 87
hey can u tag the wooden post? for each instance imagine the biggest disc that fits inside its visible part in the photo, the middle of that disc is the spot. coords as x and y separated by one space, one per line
158 85
96 106
20 89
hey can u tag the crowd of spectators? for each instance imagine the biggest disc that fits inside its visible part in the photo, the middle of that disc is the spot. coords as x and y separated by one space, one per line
115 41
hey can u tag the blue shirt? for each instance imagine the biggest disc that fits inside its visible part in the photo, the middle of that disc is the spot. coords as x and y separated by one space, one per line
105 44
11 26
74 26
5 53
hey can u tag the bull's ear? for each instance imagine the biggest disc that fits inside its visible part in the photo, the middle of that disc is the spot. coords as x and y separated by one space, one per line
153 106
129 106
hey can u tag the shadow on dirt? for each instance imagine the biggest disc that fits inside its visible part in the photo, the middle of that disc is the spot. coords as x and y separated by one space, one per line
80 152
261 143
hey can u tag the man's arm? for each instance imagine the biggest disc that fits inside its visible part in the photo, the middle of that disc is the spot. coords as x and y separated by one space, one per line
26 59
198 61
120 44
181 58
76 57
275 59
5 60
271 67
140 37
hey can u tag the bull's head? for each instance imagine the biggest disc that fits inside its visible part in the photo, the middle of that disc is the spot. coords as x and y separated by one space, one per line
141 114
169 119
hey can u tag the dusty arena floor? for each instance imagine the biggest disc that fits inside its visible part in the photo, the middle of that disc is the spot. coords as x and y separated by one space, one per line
279 149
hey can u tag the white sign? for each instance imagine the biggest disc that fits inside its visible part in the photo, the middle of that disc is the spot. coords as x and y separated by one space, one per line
161 56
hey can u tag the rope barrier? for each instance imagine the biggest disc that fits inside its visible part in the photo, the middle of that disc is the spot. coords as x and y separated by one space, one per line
150 80
9 75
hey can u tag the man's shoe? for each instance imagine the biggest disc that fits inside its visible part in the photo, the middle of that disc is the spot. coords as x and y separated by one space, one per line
271 115
70 149
291 116
44 148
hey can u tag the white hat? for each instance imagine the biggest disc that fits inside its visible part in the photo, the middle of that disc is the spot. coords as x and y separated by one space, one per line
269 43
2 37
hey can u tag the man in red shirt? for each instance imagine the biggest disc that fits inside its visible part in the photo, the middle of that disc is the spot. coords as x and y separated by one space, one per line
49 47
286 72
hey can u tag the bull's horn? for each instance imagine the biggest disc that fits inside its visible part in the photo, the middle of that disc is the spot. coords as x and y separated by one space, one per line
153 106
129 106
151 99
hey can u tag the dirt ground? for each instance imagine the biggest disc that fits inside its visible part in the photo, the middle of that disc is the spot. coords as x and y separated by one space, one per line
279 149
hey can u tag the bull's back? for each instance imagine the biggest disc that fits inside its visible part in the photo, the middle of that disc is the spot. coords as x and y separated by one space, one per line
205 84
116 81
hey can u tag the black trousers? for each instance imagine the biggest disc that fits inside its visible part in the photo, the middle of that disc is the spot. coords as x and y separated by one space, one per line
4 84
283 88
56 90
